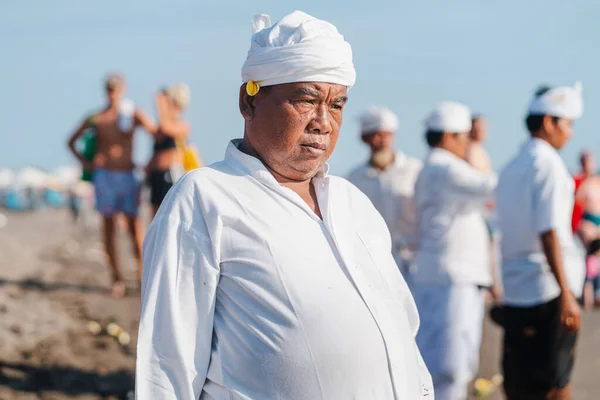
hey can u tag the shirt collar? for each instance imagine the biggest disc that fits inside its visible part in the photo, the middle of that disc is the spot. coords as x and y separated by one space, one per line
438 154
255 168
539 143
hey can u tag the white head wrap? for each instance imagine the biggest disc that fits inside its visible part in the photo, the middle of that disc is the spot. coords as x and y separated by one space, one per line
562 102
299 48
378 119
450 117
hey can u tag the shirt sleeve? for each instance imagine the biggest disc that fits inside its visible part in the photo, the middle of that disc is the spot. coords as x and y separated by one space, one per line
469 184
546 197
180 276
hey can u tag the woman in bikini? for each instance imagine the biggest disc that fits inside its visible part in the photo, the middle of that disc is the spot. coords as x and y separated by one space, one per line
172 129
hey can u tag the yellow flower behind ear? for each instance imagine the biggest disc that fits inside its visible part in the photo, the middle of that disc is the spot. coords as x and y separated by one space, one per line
252 88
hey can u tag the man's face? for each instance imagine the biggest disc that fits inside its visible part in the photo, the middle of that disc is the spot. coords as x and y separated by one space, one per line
114 93
293 127
559 132
379 141
456 143
479 130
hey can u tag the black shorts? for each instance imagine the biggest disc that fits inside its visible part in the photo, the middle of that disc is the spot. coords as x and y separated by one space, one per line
160 182
538 352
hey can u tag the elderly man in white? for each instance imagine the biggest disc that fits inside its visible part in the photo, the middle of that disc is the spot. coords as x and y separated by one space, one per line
388 179
452 260
542 268
265 277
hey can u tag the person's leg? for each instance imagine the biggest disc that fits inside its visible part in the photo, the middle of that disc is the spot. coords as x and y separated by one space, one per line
108 226
106 201
160 182
136 232
434 337
449 389
588 295
596 290
464 328
130 207
538 355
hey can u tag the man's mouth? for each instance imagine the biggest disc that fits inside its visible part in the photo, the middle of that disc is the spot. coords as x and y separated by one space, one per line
315 146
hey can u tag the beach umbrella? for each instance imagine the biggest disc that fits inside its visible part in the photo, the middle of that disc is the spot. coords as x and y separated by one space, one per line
31 177
7 178
67 175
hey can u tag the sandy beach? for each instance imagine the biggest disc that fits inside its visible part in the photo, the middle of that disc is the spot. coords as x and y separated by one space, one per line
53 281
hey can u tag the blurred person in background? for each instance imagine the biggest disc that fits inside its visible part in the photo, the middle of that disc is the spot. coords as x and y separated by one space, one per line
452 262
588 166
587 207
591 290
165 166
388 179
117 189
587 198
478 157
543 270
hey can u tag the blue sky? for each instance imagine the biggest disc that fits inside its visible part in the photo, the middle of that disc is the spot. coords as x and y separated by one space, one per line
409 56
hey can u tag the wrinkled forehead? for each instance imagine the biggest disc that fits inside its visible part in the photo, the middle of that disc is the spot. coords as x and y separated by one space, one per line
314 89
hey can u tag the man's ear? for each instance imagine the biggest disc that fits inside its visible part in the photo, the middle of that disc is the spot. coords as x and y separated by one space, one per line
246 104
548 123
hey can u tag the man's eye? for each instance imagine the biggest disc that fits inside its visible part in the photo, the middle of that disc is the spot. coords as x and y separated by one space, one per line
336 106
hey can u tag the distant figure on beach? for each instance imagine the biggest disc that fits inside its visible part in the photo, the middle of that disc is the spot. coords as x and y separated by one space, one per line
588 166
74 205
388 179
117 188
477 156
479 159
591 290
587 197
165 165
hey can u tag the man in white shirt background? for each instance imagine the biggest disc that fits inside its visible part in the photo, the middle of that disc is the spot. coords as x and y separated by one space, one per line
452 258
479 158
264 277
388 179
542 267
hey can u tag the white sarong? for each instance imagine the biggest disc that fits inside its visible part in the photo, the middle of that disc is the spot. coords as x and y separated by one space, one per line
450 335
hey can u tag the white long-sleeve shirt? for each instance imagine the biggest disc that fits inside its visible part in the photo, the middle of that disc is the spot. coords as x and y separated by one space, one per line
450 196
392 190
247 294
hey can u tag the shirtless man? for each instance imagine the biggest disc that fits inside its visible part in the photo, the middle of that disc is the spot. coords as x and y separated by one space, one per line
117 189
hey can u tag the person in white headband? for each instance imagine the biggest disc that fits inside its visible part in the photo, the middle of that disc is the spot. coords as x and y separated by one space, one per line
299 48
265 277
543 269
388 179
451 265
